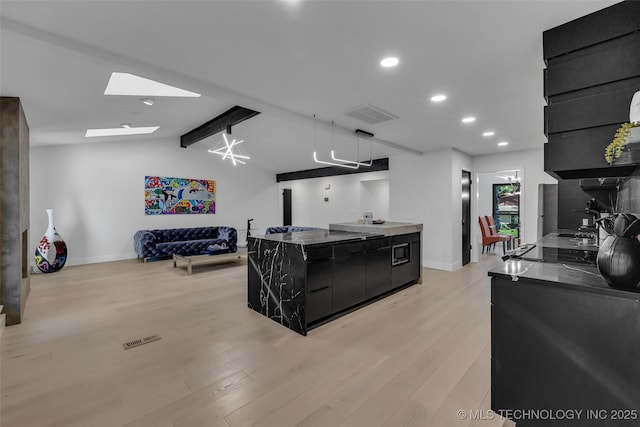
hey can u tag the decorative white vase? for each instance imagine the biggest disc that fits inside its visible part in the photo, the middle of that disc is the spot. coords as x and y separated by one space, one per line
51 253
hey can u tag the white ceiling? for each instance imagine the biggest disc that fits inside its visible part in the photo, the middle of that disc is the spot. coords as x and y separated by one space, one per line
289 60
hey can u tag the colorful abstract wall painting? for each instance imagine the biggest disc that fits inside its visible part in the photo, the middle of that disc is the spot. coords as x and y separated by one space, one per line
170 196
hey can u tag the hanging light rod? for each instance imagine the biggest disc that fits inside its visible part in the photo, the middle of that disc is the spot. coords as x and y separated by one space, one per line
358 162
315 151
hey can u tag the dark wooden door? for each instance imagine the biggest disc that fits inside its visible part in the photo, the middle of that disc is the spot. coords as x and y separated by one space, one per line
466 217
286 206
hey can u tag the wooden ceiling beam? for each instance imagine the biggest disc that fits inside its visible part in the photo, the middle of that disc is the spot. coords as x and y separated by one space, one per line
231 117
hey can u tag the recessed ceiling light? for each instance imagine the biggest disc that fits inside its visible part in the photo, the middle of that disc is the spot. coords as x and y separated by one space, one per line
120 131
389 62
438 98
147 101
469 119
502 143
130 84
489 133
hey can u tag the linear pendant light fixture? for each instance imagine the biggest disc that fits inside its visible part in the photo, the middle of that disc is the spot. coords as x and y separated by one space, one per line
357 162
349 165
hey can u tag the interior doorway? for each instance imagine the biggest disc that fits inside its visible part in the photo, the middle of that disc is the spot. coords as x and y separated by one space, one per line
499 194
466 217
286 207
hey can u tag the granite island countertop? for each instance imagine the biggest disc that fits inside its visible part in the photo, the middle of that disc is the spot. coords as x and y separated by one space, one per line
317 237
388 228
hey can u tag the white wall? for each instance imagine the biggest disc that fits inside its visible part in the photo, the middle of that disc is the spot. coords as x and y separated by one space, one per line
374 197
346 198
97 193
531 163
420 191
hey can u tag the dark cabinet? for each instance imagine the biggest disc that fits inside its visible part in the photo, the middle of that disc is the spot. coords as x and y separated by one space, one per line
592 73
377 267
302 286
407 270
348 275
319 284
564 348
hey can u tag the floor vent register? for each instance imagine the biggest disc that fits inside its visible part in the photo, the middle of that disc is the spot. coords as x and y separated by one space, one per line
140 341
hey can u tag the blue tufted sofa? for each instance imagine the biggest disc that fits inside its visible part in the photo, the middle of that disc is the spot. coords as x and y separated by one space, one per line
287 229
164 243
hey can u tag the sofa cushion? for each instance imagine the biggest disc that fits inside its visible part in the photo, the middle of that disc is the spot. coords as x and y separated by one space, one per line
185 234
192 247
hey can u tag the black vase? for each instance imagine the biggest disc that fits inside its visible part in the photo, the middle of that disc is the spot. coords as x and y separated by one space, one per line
619 262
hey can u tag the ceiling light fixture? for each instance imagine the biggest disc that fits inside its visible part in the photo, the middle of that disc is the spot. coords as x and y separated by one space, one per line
438 98
389 62
126 125
469 119
226 150
120 131
132 85
352 165
489 133
358 162
503 144
147 101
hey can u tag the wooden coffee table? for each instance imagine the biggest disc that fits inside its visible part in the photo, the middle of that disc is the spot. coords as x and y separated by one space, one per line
192 260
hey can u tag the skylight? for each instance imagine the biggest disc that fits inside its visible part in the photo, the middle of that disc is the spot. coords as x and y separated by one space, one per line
120 131
130 84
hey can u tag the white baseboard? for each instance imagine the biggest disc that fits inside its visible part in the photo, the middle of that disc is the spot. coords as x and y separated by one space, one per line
439 265
89 260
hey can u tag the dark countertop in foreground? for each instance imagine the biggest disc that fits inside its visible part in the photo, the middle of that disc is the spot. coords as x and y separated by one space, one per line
554 240
545 264
582 277
555 248
317 237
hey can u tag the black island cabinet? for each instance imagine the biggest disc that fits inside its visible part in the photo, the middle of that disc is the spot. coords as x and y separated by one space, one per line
304 279
565 347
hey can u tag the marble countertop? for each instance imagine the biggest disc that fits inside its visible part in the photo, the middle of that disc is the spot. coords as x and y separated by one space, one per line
553 247
554 240
583 277
388 228
545 264
317 237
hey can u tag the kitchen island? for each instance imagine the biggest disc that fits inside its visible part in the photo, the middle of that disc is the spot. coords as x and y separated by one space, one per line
304 279
563 340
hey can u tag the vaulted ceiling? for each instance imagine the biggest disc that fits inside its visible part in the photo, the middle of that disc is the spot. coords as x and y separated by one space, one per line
289 60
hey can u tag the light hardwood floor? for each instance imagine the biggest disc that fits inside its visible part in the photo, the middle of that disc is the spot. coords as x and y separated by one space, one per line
415 358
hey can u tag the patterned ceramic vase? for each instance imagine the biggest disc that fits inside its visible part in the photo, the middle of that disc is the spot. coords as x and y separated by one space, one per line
51 253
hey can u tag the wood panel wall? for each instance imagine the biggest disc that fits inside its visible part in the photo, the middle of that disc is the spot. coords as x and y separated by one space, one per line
14 204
